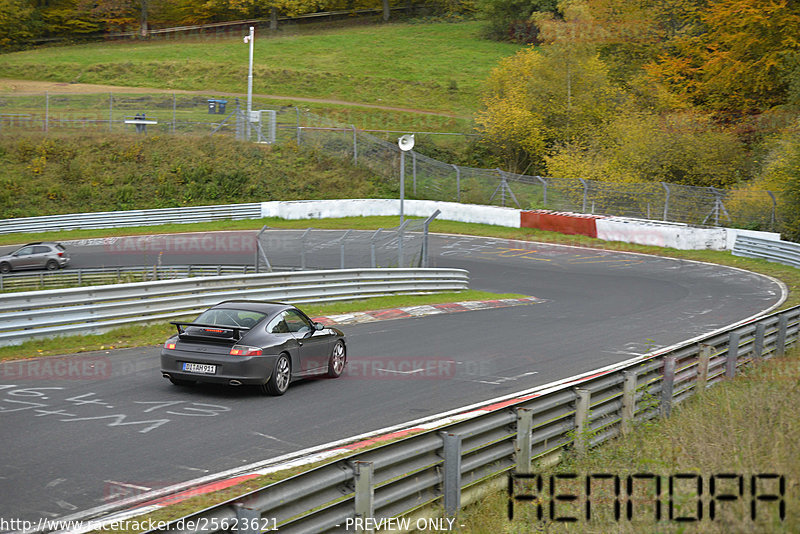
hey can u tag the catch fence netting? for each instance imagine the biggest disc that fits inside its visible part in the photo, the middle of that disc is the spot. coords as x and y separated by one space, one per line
405 245
425 177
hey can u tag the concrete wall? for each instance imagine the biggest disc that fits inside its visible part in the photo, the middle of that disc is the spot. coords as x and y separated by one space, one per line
643 232
451 211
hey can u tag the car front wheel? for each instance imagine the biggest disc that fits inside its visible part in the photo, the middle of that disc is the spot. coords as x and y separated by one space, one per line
278 382
5 268
337 360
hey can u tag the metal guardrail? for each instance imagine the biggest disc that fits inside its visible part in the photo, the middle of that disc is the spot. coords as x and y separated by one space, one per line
783 252
436 466
122 219
36 314
113 275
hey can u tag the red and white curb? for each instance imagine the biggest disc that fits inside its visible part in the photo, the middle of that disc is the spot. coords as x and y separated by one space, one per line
421 311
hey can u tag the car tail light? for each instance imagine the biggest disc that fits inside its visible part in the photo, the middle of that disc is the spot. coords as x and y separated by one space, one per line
169 345
60 254
245 350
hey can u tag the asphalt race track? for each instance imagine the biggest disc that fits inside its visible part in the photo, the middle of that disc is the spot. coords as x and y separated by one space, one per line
119 428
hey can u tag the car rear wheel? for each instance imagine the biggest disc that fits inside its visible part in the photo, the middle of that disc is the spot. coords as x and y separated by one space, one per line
5 268
278 382
52 265
337 360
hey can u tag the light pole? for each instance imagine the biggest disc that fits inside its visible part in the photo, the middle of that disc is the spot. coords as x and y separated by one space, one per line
405 143
249 39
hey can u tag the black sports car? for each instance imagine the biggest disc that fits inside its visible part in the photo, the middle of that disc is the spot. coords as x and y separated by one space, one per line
239 342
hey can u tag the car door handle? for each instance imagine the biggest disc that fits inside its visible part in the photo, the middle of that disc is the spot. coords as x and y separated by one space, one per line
300 343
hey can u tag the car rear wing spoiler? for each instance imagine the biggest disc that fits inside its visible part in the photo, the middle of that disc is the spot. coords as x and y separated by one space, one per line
215 332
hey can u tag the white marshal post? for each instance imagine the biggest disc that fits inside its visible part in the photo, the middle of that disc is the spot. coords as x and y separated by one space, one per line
249 39
405 143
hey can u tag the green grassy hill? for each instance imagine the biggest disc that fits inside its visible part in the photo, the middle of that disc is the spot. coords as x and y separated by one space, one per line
432 66
70 173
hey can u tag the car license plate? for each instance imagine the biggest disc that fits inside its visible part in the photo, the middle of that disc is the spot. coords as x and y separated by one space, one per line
200 368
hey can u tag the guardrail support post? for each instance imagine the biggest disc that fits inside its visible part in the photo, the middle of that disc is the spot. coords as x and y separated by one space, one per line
524 445
628 401
780 342
733 355
364 491
667 386
452 473
582 419
248 520
758 342
703 358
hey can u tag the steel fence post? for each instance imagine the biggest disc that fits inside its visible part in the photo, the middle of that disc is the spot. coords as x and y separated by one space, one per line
774 208
666 200
248 520
400 232
110 111
667 386
628 401
458 182
255 259
341 248
585 194
582 419
297 119
524 446
544 190
758 342
364 496
174 110
703 357
414 172
303 249
46 110
355 145
780 342
372 259
732 355
451 444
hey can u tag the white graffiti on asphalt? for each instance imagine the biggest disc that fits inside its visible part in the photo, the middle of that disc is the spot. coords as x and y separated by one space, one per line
84 408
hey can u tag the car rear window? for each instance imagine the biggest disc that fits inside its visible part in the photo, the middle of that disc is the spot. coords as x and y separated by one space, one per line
230 317
60 247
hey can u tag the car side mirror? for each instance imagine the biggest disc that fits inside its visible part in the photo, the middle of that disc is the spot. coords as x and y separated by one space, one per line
319 326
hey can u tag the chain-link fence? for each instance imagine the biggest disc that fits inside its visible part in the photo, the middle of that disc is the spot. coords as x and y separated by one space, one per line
405 245
426 178
431 179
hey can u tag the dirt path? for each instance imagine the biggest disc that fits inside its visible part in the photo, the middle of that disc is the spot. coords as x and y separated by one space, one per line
37 87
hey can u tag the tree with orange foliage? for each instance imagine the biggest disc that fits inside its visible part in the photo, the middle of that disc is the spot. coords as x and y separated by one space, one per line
739 57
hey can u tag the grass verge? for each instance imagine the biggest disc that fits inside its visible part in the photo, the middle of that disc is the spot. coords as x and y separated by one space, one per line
742 427
155 334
